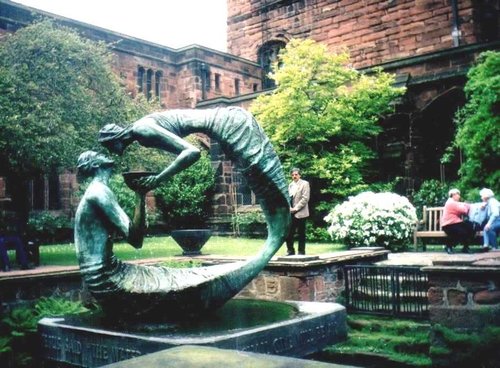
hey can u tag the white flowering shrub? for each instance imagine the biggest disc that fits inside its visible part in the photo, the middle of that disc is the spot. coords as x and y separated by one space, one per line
373 219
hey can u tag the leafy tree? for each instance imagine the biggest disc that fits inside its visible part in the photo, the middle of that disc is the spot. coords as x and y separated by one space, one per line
478 125
58 89
323 115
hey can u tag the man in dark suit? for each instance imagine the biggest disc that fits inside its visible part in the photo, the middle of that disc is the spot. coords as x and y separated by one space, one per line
299 192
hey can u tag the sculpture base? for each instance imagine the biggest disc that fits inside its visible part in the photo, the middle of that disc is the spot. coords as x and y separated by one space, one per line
78 343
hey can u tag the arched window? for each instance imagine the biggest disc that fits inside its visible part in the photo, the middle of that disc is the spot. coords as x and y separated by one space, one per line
149 83
268 55
158 77
140 79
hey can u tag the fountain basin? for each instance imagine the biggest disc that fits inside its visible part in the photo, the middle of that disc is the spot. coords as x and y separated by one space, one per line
79 343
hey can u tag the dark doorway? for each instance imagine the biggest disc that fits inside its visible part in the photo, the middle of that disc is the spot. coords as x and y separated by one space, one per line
434 132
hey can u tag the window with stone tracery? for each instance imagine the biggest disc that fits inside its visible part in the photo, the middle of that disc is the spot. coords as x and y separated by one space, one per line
149 82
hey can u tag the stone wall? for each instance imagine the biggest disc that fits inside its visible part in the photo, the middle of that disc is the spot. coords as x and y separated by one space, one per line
373 31
25 289
310 278
323 284
183 71
466 298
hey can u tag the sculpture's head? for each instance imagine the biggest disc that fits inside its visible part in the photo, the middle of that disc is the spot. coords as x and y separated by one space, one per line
112 137
90 161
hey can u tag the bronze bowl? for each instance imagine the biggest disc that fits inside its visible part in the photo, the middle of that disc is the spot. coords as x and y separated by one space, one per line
130 178
191 240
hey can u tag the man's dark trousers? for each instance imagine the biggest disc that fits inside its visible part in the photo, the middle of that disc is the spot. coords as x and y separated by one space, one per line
298 225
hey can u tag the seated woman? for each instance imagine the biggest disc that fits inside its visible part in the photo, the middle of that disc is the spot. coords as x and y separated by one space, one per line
492 226
452 223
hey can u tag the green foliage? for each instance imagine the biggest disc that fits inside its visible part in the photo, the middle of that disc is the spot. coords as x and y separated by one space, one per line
317 234
18 340
184 201
478 125
21 321
453 348
47 227
249 224
58 89
5 345
52 307
124 195
431 193
322 116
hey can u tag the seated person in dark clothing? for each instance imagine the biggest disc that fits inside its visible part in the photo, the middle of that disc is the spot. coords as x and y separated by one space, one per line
21 256
452 223
11 238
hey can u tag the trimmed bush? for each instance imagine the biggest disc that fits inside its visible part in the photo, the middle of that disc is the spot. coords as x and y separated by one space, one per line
184 201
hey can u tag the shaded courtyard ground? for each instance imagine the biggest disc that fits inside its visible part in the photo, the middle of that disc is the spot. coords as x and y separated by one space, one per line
358 324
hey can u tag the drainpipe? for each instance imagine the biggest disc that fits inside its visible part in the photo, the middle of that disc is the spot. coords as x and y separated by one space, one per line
455 31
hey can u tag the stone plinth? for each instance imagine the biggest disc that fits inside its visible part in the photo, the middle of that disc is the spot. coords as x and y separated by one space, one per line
317 278
465 293
315 326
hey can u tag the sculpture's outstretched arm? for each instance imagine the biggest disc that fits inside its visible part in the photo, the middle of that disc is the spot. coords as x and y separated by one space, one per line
137 227
149 134
134 230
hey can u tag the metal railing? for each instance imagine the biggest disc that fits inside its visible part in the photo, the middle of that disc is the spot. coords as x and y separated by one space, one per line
396 290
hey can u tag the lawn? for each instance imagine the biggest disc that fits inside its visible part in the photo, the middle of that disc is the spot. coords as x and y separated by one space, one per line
165 246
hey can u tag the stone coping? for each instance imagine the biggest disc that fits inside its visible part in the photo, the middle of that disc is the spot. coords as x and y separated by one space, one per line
470 263
309 260
461 269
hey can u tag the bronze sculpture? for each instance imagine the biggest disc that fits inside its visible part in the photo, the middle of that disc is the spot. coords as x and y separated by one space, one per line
124 289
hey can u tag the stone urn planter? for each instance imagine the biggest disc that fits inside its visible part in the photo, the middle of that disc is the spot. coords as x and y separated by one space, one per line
191 240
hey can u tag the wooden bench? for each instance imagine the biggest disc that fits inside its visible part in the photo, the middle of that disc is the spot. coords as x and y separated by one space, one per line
430 226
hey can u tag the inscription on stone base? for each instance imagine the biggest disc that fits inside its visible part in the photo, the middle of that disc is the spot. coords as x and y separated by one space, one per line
319 325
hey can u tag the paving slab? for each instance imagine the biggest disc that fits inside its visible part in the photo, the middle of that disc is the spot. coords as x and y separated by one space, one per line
440 258
208 357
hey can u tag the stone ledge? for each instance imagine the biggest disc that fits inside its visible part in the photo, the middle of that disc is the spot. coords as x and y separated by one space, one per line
461 269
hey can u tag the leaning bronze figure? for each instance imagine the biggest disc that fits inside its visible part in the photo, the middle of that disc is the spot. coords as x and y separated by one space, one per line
134 290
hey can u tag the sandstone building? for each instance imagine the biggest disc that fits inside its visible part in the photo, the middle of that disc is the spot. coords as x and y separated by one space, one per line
428 44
